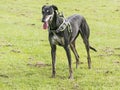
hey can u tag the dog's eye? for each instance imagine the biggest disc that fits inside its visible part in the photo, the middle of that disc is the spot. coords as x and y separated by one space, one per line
47 11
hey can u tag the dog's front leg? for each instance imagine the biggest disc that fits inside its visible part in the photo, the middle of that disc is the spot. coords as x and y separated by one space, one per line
53 55
67 49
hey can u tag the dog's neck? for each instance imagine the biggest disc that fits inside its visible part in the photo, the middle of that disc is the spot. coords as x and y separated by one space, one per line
56 21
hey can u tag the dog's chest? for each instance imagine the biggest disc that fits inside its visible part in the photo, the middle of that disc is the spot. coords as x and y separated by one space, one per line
57 40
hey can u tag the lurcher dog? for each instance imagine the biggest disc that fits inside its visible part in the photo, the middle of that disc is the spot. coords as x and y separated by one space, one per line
63 32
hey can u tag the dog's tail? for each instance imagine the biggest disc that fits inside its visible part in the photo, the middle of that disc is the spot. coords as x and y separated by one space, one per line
93 49
85 32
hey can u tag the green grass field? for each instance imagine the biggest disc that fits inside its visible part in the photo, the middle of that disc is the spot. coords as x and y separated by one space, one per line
25 60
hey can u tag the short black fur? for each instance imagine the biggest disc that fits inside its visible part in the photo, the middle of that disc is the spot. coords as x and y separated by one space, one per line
65 38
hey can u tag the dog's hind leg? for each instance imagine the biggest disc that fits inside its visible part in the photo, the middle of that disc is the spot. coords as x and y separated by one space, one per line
87 46
86 42
85 32
73 48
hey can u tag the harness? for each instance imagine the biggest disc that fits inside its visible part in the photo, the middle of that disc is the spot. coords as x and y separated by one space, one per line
64 26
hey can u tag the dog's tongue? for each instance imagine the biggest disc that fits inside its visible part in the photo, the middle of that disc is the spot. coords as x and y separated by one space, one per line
45 25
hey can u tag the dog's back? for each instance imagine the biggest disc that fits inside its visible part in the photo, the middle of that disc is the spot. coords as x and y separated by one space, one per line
79 26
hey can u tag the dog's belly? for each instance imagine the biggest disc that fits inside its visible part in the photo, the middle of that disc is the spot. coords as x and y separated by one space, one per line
57 40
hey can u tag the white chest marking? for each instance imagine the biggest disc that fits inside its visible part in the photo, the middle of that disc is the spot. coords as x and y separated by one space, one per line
57 40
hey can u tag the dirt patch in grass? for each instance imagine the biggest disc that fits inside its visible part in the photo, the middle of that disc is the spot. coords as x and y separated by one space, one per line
16 51
3 76
38 64
108 51
118 48
116 62
6 45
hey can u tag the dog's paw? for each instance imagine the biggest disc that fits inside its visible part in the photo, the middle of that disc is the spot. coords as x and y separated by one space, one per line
70 77
53 76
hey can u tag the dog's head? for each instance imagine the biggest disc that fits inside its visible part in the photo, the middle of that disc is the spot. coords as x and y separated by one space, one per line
48 14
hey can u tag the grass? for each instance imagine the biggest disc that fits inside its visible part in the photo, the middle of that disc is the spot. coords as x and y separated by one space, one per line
25 61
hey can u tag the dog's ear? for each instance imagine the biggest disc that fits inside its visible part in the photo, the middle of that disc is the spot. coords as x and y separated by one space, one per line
43 6
54 7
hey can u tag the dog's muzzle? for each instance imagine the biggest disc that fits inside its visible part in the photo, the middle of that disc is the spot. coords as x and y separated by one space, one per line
46 20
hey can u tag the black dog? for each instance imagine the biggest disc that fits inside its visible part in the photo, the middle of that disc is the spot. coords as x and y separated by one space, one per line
64 32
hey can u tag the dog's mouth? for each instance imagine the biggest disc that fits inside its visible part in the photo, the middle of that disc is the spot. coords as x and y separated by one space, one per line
46 21
45 25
